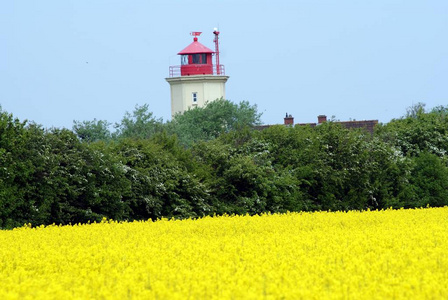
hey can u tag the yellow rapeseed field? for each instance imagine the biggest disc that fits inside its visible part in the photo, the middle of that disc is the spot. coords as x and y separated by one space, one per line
392 254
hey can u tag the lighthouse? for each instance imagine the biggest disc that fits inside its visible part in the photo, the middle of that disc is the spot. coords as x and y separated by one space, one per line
197 80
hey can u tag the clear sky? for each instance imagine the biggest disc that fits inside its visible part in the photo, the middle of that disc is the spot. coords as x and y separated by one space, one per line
65 60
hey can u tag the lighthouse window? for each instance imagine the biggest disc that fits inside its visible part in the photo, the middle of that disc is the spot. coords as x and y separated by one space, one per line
204 58
184 59
196 58
194 97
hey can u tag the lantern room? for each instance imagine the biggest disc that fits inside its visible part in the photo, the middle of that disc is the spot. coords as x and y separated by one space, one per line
196 59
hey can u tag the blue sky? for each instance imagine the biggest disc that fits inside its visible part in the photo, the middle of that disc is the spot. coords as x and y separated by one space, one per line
83 59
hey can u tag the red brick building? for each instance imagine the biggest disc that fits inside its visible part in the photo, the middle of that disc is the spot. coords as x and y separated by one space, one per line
368 125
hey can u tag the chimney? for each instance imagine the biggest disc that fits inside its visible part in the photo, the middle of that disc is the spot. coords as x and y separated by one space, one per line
289 120
321 119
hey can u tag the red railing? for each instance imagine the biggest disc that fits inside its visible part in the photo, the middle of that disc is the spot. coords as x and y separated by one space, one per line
175 71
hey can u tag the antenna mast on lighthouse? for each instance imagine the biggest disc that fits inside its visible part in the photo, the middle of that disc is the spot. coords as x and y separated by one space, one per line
216 40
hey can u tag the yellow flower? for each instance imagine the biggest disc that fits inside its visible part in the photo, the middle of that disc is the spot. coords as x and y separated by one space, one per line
391 254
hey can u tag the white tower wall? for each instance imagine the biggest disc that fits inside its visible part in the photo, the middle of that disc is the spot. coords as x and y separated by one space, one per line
205 87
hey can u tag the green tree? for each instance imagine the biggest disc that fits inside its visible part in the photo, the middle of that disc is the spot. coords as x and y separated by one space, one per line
69 181
238 171
428 183
91 131
14 172
336 168
217 117
418 131
141 124
294 154
161 184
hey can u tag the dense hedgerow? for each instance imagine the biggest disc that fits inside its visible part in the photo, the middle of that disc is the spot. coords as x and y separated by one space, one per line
188 169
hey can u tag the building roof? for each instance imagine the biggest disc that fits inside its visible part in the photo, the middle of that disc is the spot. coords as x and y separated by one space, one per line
195 47
368 125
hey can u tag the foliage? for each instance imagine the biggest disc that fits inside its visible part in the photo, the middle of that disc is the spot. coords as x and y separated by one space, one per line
92 131
141 124
337 169
161 185
209 122
419 131
14 171
428 182
211 161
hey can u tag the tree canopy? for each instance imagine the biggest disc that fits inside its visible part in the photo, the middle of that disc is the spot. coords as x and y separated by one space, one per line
211 161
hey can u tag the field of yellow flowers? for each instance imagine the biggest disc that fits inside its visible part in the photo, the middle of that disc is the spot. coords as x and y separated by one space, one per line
393 254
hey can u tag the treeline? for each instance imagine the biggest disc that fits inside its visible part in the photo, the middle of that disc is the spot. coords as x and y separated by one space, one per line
212 161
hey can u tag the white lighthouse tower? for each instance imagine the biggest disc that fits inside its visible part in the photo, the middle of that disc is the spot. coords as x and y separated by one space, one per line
197 80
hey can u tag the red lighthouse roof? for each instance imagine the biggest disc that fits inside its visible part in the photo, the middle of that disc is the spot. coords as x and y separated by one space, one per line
195 47
196 59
